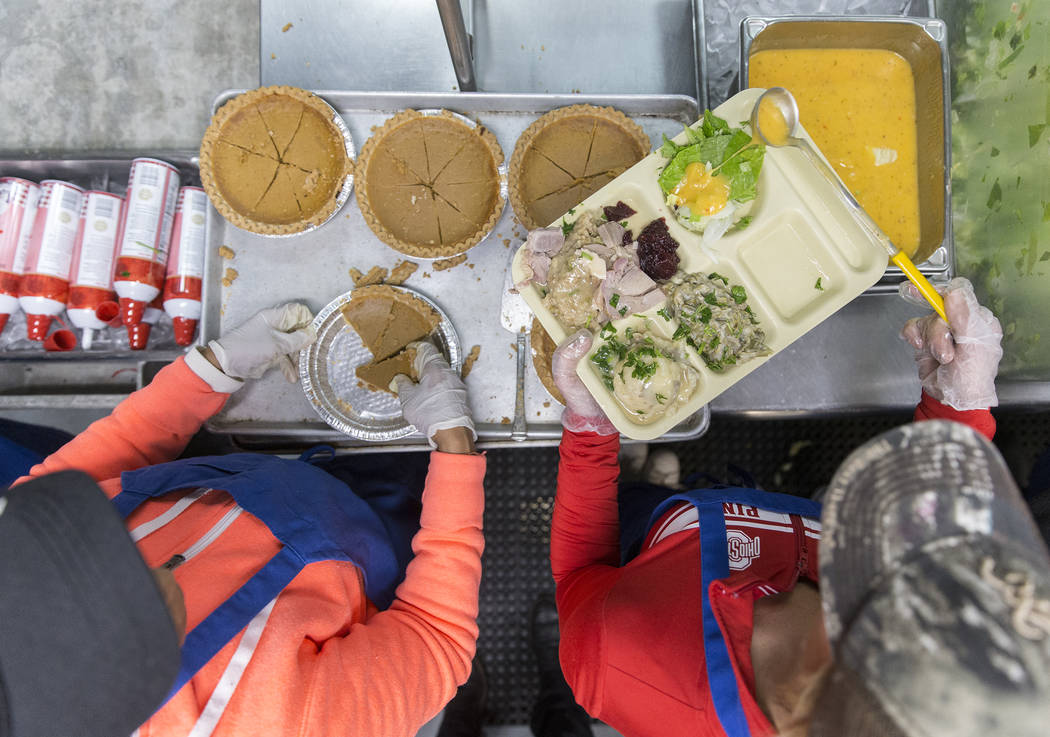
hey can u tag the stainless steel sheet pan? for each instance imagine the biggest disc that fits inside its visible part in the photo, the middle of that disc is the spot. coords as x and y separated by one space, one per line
314 268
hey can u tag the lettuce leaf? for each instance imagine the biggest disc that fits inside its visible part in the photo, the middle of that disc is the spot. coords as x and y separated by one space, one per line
714 142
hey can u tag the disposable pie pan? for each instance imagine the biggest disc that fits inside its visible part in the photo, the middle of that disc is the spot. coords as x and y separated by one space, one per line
327 374
800 260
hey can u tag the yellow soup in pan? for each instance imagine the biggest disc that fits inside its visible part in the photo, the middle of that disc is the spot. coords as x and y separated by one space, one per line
858 105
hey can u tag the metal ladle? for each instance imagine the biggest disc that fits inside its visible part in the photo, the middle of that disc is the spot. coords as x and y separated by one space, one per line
784 103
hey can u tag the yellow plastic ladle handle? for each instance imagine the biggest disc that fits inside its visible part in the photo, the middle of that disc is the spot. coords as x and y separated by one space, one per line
921 283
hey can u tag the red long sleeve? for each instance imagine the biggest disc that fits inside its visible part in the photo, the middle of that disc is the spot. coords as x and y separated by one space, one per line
980 420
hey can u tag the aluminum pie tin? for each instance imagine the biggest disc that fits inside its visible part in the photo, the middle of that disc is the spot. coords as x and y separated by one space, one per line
327 374
501 172
348 182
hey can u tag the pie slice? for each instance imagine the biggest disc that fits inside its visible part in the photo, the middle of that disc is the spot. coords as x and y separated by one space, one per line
459 159
378 375
404 214
410 319
246 129
543 347
368 313
241 177
281 199
579 143
287 126
613 148
540 177
281 120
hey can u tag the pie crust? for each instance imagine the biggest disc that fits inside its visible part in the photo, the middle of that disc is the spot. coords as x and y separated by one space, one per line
543 347
273 161
429 185
567 155
387 320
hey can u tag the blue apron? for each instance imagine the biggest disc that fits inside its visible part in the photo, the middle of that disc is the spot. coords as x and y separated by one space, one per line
714 565
314 515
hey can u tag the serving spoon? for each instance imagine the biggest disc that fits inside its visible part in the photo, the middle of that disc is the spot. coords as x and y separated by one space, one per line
774 118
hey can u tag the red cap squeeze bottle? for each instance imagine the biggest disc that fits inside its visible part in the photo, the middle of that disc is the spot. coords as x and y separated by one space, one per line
138 334
145 233
18 205
44 286
182 288
91 276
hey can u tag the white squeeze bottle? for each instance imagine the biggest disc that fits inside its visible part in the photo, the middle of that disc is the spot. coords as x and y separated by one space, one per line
91 276
142 256
18 203
182 288
44 287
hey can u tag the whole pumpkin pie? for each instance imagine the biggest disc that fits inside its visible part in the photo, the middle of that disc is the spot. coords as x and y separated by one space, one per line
429 185
273 160
567 155
387 320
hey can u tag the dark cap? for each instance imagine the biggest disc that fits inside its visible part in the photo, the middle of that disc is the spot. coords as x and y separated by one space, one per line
935 585
87 646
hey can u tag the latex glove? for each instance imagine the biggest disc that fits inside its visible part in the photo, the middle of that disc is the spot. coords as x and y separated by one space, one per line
582 413
439 400
269 338
957 366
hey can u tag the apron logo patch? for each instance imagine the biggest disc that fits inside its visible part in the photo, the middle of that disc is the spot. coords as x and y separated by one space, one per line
742 549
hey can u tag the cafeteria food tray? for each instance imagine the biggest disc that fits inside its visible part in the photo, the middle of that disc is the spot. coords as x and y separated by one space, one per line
801 259
314 268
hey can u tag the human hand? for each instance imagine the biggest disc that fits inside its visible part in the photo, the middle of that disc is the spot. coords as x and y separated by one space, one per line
582 413
957 365
438 402
269 338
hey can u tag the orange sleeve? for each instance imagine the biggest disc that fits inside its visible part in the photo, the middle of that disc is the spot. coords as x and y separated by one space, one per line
393 672
153 425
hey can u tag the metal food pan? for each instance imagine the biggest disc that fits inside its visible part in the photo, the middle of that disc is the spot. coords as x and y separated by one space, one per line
313 268
922 42
106 171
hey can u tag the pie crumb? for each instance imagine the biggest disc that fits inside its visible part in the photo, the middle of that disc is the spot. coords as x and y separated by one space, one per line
426 275
506 242
273 55
449 263
226 252
505 421
470 265
375 275
229 277
401 272
468 362
287 27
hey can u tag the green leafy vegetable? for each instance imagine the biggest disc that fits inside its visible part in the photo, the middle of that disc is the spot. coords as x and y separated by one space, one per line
566 228
739 294
818 285
614 299
662 312
716 275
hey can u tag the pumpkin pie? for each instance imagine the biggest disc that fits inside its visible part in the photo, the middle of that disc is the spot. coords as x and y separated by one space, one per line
273 161
379 375
387 320
543 347
566 156
429 185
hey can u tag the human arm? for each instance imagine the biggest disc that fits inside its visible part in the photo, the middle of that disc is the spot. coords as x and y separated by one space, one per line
957 365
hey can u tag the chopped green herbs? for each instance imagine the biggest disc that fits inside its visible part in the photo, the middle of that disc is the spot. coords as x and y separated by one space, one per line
716 275
711 298
623 310
614 300
608 329
818 285
661 398
566 227
738 293
662 312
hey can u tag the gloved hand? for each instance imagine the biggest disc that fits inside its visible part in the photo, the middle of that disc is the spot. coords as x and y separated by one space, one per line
269 338
582 413
439 400
957 366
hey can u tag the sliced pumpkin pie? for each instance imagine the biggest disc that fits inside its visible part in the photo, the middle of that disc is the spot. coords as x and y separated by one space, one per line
543 347
387 320
566 156
429 185
273 160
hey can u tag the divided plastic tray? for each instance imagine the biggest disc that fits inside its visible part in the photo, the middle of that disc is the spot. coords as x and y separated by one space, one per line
800 232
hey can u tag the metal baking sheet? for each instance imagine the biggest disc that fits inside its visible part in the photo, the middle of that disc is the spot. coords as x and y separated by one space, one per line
314 268
108 172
